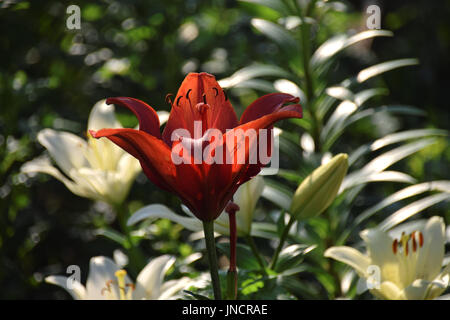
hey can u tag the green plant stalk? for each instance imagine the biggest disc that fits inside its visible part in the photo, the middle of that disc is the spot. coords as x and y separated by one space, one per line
208 228
281 244
255 252
137 260
309 84
232 276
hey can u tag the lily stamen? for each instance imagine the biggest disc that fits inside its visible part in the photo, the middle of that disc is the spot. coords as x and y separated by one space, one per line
178 100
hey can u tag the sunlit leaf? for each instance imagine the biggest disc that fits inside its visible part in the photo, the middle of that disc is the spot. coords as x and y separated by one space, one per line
113 235
391 176
346 117
411 209
391 139
256 84
244 256
277 195
251 72
292 256
156 211
287 86
383 161
365 95
336 120
341 93
378 69
278 34
276 5
407 192
336 44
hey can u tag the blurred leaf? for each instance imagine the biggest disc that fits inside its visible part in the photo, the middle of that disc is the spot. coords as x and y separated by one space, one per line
344 118
365 95
407 192
298 287
277 34
277 194
291 256
411 209
196 295
341 93
336 44
251 72
244 255
336 121
391 139
256 84
276 5
391 176
382 162
378 69
114 236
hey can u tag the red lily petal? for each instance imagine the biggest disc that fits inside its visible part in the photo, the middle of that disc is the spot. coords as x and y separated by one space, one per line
153 154
266 105
203 180
147 116
244 172
203 89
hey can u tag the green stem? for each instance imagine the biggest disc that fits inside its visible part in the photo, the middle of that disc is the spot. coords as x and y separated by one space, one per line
309 83
137 260
281 244
208 228
255 251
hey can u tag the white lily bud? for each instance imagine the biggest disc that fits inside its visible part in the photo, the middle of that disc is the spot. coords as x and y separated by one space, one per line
319 189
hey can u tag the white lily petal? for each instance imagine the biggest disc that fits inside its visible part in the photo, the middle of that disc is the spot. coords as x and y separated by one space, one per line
361 286
67 149
163 116
389 290
102 116
170 288
149 280
350 256
120 258
78 292
432 253
246 198
128 168
437 287
161 211
101 271
379 246
43 165
416 290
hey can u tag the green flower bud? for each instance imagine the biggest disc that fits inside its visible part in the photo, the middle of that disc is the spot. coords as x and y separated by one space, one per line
319 189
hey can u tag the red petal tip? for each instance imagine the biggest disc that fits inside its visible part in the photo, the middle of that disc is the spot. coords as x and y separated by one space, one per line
93 133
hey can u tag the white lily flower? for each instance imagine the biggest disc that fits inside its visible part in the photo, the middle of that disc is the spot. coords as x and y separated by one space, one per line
96 169
106 281
409 263
245 197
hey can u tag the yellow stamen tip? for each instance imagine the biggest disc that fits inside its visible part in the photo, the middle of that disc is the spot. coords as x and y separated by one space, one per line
120 273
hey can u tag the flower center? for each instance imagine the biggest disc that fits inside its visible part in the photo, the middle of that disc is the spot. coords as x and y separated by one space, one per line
402 245
125 289
406 249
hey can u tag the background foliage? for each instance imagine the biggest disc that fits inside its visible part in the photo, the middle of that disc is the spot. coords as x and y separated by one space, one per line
51 77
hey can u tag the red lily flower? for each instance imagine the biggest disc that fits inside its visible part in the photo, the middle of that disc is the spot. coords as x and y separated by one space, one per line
205 187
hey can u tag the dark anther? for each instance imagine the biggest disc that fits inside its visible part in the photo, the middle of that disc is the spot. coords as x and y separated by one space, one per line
204 98
216 90
169 99
187 94
178 100
225 94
